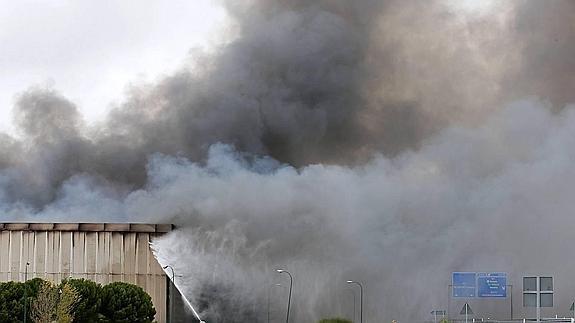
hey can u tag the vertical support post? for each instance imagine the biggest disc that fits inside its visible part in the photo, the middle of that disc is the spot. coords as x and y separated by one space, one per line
290 289
168 299
511 300
360 298
172 297
353 293
171 294
538 299
449 289
360 303
26 292
289 297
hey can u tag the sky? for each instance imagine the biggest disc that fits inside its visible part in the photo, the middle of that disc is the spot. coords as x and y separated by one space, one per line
91 51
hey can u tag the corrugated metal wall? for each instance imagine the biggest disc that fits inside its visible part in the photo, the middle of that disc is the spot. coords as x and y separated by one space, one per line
103 257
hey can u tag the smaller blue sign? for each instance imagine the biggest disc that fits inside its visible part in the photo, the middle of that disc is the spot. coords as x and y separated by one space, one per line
464 284
491 285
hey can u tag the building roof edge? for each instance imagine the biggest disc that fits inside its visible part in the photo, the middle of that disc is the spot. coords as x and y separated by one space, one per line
87 227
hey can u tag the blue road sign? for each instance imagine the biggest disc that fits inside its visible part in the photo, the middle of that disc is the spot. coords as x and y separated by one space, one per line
492 285
464 284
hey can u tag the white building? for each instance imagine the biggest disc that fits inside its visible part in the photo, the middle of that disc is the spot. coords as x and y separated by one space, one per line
102 252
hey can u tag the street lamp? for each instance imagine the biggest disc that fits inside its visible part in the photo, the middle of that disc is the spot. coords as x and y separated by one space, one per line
171 292
360 298
290 287
26 292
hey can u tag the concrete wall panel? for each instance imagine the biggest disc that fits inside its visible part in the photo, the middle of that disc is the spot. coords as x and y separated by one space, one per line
130 257
39 260
15 254
90 253
65 253
4 255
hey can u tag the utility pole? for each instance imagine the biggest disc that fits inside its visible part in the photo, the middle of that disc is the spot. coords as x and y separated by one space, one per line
360 298
449 295
290 288
538 299
171 292
26 292
511 300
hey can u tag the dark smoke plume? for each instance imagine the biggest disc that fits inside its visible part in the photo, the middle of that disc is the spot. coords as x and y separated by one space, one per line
302 83
545 36
337 138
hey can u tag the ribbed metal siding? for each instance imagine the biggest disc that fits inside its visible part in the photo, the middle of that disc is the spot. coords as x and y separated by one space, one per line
100 256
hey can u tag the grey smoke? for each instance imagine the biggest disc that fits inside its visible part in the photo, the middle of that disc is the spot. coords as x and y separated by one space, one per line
364 139
471 198
547 43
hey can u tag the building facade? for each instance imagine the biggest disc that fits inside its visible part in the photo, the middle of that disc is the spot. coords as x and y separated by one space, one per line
102 252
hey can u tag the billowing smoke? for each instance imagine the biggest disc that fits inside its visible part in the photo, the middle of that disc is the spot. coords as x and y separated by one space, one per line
341 140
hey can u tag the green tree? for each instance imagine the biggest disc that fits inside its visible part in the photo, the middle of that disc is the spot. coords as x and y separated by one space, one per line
69 297
11 301
86 309
335 320
123 302
43 307
33 286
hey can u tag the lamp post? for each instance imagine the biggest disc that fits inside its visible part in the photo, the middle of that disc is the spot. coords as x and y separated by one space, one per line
171 291
360 298
290 288
26 292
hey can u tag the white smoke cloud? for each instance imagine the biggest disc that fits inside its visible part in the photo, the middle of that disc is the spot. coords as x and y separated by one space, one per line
469 190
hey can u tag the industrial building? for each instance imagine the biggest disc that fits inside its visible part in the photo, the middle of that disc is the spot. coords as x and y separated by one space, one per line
102 252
